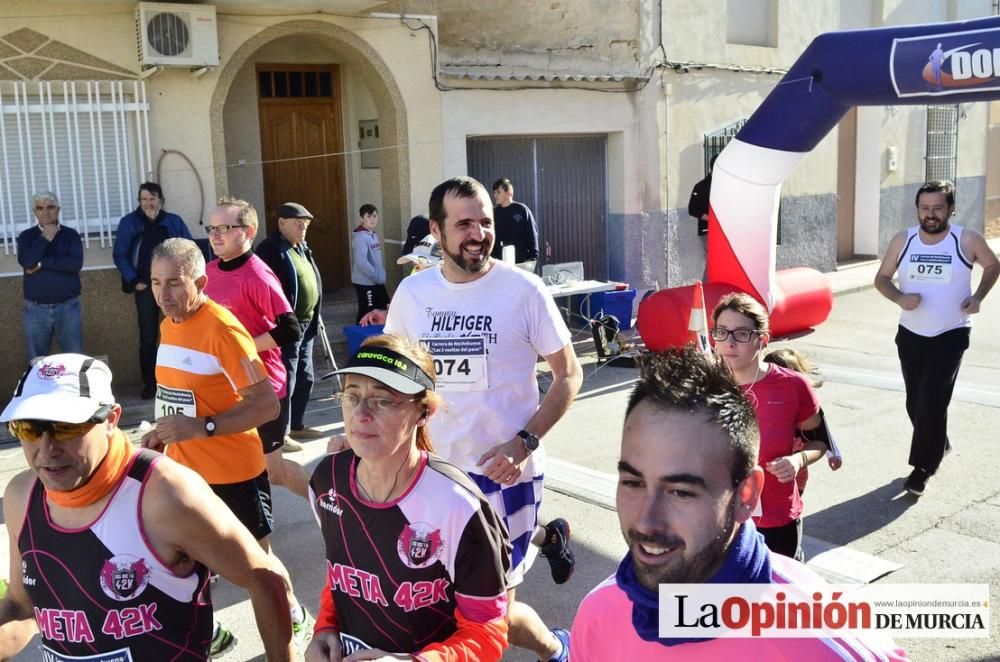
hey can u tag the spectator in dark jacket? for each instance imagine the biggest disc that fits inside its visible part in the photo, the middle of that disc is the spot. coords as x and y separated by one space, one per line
139 232
286 252
698 203
515 226
51 255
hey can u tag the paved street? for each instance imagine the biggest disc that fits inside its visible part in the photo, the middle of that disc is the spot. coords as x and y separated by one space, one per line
952 534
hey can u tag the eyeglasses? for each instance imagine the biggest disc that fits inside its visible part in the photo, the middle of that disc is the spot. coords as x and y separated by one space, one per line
31 430
46 208
221 229
299 221
739 335
375 406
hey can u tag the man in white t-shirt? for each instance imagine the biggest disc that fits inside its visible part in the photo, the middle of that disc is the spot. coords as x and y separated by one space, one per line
486 323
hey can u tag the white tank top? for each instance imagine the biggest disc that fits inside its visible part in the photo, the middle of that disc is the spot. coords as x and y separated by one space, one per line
941 275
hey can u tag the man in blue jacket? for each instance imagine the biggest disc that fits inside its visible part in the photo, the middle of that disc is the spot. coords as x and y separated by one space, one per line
286 252
51 255
139 232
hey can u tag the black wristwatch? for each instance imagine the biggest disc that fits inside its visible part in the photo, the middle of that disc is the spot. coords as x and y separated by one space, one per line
209 426
530 441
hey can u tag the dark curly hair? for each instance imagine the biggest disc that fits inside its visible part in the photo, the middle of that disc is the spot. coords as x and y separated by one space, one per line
688 380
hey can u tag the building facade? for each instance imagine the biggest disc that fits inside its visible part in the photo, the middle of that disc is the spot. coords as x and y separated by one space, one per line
602 112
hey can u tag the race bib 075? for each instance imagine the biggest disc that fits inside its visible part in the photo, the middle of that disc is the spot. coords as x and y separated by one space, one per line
929 269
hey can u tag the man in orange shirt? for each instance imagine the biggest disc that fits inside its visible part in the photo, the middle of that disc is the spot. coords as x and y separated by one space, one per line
212 392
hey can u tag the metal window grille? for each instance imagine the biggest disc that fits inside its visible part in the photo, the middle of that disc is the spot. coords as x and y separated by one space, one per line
716 141
295 84
941 153
86 141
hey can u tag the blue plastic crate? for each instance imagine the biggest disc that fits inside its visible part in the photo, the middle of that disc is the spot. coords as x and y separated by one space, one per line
616 302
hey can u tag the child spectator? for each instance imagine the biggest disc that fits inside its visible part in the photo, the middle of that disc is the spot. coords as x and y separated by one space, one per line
367 270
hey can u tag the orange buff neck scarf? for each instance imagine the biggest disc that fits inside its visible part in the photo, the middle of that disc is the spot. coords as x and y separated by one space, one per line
103 480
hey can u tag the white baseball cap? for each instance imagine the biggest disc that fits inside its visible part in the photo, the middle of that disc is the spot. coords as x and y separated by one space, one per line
66 388
426 253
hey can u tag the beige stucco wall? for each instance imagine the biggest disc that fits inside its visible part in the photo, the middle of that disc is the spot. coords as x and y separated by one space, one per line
993 172
695 30
86 26
555 35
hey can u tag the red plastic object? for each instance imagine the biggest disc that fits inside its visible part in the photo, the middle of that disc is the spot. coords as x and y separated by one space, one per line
664 317
803 299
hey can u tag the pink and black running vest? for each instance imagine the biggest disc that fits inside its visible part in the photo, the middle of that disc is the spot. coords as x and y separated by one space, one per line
101 594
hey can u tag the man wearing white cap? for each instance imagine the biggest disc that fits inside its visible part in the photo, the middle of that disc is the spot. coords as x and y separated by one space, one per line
131 532
425 254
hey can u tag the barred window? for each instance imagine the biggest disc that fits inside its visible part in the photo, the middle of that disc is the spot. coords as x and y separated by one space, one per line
86 141
713 143
941 154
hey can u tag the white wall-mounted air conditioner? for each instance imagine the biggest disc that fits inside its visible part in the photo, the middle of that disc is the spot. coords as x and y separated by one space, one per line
176 35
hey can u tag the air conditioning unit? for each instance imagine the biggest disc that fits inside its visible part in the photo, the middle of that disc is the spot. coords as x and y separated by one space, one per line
176 35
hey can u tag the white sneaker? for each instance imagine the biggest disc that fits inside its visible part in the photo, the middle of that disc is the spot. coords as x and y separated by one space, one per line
291 446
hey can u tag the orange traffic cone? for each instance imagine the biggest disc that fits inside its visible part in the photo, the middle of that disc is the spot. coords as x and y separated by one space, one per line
698 322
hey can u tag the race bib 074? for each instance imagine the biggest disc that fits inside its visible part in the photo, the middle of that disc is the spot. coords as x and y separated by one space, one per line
460 363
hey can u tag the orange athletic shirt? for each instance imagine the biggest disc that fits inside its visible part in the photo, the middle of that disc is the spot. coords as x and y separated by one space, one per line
201 364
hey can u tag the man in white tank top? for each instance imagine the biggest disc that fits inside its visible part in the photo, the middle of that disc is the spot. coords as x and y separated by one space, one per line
934 261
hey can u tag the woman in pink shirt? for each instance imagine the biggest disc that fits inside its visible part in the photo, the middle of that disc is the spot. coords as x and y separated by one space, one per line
785 403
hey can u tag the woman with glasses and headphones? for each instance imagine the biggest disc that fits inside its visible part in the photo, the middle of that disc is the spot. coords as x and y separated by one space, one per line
416 557
785 403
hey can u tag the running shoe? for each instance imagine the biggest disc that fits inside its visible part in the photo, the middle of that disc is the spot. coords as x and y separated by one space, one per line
917 482
562 636
556 550
291 446
302 632
222 642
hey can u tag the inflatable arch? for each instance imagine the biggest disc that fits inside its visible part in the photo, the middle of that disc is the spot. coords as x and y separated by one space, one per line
900 65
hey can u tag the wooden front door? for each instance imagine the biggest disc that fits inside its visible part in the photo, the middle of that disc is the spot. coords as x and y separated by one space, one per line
302 146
